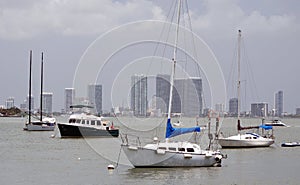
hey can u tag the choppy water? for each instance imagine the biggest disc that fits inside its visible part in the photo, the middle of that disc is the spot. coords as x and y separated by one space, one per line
36 158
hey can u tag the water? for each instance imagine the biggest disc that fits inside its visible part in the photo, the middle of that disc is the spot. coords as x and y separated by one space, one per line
36 158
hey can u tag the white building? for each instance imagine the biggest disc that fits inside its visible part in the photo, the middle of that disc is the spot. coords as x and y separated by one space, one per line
10 102
278 103
138 95
47 102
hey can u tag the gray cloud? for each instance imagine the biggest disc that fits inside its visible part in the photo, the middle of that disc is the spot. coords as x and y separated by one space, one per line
63 29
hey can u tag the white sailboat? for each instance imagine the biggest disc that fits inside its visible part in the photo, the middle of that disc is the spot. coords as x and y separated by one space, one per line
170 153
246 140
43 124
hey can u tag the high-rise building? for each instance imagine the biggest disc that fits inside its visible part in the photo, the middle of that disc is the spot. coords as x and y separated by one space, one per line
220 108
187 96
27 103
259 109
162 92
10 102
69 98
298 111
95 97
279 103
138 95
233 107
47 102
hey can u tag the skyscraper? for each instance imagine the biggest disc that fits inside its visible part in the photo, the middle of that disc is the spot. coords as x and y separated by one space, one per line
220 108
69 98
27 103
10 102
279 103
138 95
233 107
259 109
187 96
47 102
162 92
95 97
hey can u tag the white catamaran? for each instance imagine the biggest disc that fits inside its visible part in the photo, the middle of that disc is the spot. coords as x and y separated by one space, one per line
169 153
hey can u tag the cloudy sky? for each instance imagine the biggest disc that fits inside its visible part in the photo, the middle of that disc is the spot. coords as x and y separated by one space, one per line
64 29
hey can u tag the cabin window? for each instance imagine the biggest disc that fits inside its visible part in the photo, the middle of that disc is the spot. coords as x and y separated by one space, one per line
181 149
162 148
72 121
172 149
93 122
98 123
78 121
190 150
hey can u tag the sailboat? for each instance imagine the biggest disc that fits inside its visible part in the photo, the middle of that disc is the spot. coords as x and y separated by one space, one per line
249 139
43 124
169 153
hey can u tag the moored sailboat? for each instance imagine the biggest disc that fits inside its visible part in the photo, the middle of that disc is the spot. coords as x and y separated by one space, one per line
169 153
43 124
250 139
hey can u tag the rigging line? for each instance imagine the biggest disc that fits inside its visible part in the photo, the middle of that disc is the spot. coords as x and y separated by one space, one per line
198 71
160 37
193 39
232 73
168 32
249 70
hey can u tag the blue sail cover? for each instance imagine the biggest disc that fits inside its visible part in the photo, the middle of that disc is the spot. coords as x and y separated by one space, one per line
171 131
266 127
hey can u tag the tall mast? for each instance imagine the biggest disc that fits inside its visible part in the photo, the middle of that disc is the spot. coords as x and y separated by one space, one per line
174 61
41 95
239 74
29 93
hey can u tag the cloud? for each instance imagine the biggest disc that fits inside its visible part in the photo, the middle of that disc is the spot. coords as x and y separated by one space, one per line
71 17
228 16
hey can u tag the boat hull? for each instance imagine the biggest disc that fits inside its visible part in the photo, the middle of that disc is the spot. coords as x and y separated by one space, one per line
148 158
77 131
32 127
232 143
292 144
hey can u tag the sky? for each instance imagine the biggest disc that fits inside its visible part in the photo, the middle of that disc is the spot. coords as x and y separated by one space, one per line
65 29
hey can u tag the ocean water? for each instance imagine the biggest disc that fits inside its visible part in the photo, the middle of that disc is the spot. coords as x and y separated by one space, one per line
36 158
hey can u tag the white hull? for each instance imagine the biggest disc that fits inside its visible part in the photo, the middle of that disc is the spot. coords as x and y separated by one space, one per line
141 157
31 127
244 141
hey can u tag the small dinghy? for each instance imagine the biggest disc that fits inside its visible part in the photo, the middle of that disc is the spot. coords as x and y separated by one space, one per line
290 144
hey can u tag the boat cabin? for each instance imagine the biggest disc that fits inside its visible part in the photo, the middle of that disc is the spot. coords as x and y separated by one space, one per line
87 120
175 147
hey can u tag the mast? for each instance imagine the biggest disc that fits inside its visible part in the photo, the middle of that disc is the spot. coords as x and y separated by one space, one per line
41 95
239 74
29 98
174 62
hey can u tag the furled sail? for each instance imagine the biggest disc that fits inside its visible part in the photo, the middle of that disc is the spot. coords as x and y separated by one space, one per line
266 127
171 131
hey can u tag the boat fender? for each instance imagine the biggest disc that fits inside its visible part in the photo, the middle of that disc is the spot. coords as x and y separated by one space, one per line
218 158
110 167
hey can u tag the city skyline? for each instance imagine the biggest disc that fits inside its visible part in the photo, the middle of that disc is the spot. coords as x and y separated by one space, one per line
271 30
